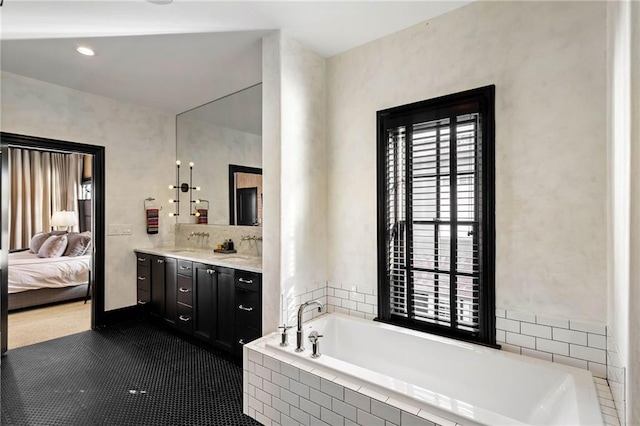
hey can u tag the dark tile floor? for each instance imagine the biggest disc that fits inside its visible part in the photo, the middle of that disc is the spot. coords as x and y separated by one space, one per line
131 374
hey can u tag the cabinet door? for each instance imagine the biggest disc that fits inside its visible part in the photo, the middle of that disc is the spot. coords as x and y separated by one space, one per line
225 309
157 286
170 290
204 281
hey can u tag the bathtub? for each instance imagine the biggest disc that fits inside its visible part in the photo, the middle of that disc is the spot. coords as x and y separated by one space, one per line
460 382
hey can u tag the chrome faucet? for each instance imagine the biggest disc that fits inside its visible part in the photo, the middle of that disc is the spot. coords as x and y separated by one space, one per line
299 346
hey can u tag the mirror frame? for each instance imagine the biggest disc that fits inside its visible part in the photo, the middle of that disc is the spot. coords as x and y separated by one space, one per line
233 169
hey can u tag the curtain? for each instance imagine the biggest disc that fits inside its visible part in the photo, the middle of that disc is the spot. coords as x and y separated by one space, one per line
41 183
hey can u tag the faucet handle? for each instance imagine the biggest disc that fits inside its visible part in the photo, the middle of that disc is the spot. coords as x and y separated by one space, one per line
314 336
284 336
285 327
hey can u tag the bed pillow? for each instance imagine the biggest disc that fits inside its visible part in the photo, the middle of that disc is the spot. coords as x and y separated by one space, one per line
78 244
54 246
37 241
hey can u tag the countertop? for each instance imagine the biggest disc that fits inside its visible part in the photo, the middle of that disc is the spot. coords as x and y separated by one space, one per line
230 260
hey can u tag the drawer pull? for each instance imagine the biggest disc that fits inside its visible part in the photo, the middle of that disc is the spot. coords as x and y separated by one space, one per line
211 271
184 318
184 290
241 341
142 278
160 261
185 268
245 309
141 302
242 280
142 259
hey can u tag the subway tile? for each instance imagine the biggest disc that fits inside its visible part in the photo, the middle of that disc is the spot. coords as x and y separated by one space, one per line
324 374
357 297
357 400
288 421
552 322
348 422
336 301
289 397
310 407
610 420
521 316
370 316
263 372
349 304
320 398
272 413
252 391
367 419
410 419
570 336
345 410
373 394
332 389
255 404
263 419
317 422
310 379
251 368
599 381
346 384
330 309
255 357
588 354
521 340
330 291
511 348
329 417
588 327
603 402
363 307
270 388
536 330
280 380
608 410
299 389
252 413
501 313
553 346
385 411
263 397
255 381
403 406
290 371
280 405
435 419
299 415
317 294
271 363
597 369
342 294
508 325
340 310
596 341
357 314
537 354
501 335
573 362
370 299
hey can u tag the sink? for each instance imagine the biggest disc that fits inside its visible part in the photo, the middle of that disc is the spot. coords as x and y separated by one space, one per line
237 258
182 250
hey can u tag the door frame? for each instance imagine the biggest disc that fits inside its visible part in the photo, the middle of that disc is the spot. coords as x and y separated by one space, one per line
233 169
98 205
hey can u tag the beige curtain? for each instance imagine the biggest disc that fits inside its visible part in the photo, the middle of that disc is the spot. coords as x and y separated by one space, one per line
41 183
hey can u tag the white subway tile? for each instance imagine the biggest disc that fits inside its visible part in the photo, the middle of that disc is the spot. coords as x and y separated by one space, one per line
255 381
573 362
290 371
271 388
403 406
330 291
537 354
357 400
588 327
271 363
299 415
255 357
310 407
553 346
385 411
611 420
596 341
346 384
310 379
435 419
334 285
330 309
367 419
245 403
345 410
332 389
251 367
367 309
508 325
335 301
349 304
252 391
521 316
356 314
289 397
280 380
510 348
263 419
340 310
317 294
501 313
552 322
501 335
288 421
356 297
280 405
320 398
252 412
588 354
329 417
342 294
535 330
263 372
272 413
371 299
600 381
255 404
521 340
299 389
410 419
570 336
603 402
263 397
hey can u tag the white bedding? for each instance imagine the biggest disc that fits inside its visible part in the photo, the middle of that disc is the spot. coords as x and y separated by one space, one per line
27 271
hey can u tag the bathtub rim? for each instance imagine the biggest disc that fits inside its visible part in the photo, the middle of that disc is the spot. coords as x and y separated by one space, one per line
268 345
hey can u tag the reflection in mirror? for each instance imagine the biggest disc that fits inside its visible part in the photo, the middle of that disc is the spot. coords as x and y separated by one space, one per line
225 132
245 195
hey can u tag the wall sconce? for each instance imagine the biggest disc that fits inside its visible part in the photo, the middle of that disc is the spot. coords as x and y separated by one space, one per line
184 187
202 213
177 187
190 188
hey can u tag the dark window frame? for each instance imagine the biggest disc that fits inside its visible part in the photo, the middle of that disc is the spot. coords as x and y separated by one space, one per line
483 99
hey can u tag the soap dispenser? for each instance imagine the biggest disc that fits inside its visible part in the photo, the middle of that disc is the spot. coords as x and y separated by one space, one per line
230 244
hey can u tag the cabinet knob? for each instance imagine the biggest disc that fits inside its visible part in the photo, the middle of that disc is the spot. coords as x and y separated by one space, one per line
249 309
141 302
160 261
142 278
184 318
211 271
184 290
185 268
242 280
142 259
241 341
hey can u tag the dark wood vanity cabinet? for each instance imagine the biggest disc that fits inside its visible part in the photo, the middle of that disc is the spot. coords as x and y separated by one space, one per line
221 306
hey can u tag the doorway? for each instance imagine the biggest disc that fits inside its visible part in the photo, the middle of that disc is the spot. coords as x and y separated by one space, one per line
247 201
95 252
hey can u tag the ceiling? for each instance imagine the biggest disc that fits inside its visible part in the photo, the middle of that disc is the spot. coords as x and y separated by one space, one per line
175 57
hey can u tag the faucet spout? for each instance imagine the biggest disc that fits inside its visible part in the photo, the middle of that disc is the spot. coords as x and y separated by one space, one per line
299 345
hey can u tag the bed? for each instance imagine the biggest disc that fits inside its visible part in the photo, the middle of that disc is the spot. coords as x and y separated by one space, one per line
37 281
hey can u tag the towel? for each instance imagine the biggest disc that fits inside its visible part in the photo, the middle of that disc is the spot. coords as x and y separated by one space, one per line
152 221
202 218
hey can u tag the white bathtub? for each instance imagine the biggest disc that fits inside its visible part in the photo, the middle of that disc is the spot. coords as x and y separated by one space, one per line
461 382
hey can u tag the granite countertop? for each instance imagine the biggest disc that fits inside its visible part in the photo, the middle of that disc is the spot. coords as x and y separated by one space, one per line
230 260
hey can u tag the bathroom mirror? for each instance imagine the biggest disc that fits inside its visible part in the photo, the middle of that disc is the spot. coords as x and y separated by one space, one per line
227 131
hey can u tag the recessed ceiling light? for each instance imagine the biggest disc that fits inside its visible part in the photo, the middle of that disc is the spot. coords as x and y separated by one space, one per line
85 51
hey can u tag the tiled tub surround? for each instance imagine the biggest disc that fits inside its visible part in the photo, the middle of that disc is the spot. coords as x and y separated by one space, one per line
347 385
616 376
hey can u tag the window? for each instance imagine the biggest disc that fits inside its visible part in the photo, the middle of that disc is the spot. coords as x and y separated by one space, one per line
435 216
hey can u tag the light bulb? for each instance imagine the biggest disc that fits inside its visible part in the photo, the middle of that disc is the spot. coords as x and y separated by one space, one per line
170 200
191 164
197 188
170 214
197 214
198 201
177 162
171 187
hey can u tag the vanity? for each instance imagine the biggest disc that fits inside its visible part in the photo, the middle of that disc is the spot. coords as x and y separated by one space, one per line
216 298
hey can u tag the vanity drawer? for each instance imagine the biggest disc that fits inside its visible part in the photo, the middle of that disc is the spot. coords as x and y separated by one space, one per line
143 279
247 307
185 267
185 290
143 259
245 335
185 318
247 280
143 297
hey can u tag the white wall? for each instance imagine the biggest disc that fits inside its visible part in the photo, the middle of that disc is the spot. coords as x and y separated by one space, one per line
548 62
140 156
